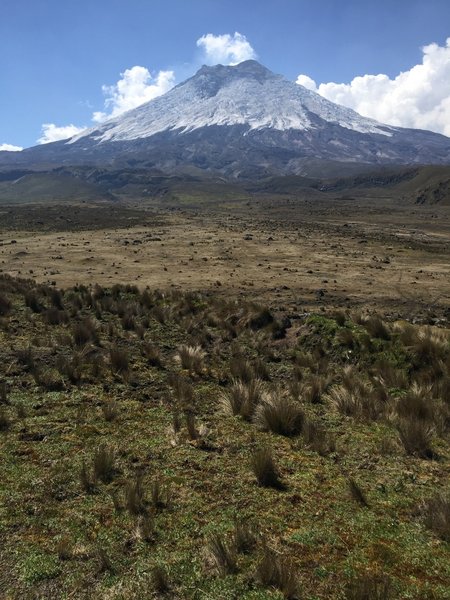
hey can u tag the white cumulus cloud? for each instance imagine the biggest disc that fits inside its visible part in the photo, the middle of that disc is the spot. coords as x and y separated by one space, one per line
135 87
226 49
307 82
10 148
54 133
418 98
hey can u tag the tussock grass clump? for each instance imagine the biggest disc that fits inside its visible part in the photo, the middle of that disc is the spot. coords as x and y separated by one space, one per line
153 354
430 345
85 332
32 301
223 555
376 327
427 344
4 393
128 322
103 462
160 579
160 313
191 358
119 360
357 397
280 573
104 562
346 338
134 496
56 298
279 414
190 424
160 494
242 398
54 316
416 437
389 376
241 368
317 439
110 410
86 481
5 421
260 319
305 360
314 387
64 548
346 402
25 357
417 403
265 469
244 537
340 317
146 528
182 390
261 369
71 368
21 410
437 515
48 378
5 305
356 492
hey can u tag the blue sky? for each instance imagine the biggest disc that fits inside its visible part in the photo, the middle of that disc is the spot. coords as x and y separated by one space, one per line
55 55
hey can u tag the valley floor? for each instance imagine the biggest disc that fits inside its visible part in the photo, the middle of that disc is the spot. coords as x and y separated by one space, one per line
368 253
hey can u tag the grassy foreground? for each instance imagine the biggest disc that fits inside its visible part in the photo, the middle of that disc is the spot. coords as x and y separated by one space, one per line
183 446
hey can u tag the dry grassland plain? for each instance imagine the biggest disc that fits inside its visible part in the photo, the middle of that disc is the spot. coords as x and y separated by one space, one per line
340 253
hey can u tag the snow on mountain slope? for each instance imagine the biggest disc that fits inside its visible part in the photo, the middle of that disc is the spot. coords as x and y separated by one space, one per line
246 94
240 121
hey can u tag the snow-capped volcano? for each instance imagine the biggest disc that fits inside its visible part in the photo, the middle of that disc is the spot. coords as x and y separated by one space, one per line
240 121
247 94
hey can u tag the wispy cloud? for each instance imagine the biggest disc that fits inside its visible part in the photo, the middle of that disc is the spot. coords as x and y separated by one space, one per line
226 49
54 133
10 148
135 86
418 98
